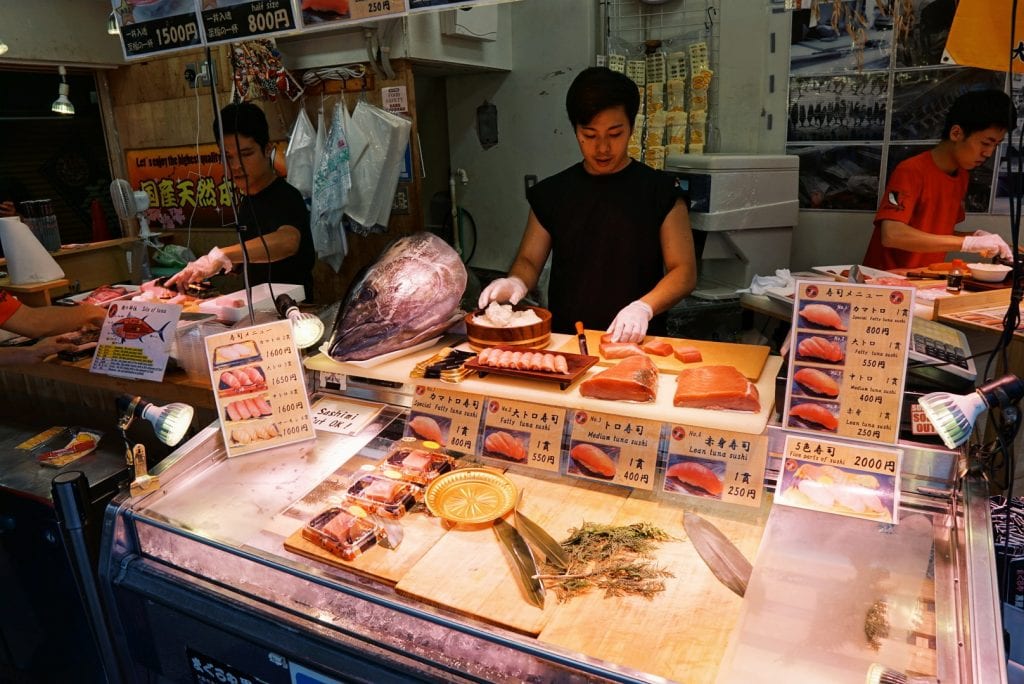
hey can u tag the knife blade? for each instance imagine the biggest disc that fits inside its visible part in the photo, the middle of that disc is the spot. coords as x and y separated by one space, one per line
581 337
522 561
726 562
539 537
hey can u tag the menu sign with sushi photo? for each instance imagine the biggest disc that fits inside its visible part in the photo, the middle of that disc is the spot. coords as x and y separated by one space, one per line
523 433
157 26
611 448
848 359
844 479
452 419
716 464
135 340
259 388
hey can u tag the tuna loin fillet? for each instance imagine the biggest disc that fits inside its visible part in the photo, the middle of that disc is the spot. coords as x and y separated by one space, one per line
716 387
633 379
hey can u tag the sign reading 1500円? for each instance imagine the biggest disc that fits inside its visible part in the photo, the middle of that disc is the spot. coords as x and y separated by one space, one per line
151 26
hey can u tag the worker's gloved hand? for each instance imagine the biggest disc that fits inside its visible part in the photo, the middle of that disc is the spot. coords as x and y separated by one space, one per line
630 324
987 244
204 267
510 290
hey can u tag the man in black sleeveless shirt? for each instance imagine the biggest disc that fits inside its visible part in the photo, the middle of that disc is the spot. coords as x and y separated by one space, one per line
270 209
618 230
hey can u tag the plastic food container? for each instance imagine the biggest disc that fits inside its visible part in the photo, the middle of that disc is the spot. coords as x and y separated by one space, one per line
341 533
385 496
416 461
989 273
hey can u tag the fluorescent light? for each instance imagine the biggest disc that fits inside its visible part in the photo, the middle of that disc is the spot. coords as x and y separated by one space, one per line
62 105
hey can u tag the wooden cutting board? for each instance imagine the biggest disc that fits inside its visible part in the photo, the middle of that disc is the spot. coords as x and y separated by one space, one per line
747 358
420 533
467 571
681 633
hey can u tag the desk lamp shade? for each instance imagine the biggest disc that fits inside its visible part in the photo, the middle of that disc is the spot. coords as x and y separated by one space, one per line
28 261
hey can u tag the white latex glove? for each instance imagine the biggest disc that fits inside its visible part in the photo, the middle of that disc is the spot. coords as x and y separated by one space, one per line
987 244
510 290
204 267
630 324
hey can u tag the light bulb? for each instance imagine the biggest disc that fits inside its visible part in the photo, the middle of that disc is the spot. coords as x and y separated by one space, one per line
112 24
3 47
170 422
954 415
307 329
62 105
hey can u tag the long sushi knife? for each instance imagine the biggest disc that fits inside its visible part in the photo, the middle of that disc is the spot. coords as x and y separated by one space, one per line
522 561
727 563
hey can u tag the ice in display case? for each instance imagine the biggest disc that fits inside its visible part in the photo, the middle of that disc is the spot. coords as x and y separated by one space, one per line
210 574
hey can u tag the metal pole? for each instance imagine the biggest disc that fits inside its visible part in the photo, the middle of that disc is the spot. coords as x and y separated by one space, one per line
69 490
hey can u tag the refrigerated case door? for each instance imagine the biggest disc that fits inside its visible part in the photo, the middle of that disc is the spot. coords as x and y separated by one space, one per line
204 571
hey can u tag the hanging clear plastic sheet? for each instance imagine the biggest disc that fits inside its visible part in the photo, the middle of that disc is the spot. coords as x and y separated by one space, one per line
375 175
300 153
331 184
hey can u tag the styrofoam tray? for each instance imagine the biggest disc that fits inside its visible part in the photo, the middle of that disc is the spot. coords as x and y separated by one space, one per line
261 301
81 296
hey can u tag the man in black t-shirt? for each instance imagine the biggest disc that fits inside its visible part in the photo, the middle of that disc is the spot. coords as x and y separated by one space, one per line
618 231
271 210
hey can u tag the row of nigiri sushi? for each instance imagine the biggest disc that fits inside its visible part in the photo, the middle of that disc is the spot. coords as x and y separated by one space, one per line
246 434
545 362
244 409
237 378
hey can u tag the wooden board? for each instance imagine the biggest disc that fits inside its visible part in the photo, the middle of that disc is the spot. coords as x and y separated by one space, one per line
421 532
467 571
747 358
680 634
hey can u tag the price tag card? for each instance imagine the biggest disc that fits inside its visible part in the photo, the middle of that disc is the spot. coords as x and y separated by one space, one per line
343 416
716 464
856 481
231 20
152 27
332 14
451 419
135 340
614 449
848 359
528 434
259 387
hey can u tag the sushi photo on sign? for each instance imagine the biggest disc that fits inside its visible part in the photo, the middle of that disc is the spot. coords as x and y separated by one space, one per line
695 476
591 460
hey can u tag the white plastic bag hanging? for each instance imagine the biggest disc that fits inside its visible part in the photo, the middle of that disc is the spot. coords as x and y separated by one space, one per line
375 176
331 184
299 155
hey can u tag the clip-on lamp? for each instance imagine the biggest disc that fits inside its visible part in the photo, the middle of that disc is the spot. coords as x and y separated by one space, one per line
170 423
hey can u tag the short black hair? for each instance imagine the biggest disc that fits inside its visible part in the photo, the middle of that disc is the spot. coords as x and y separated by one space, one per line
243 118
977 110
596 89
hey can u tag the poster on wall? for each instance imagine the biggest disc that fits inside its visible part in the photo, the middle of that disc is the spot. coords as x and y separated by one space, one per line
231 20
838 176
157 26
328 14
839 107
840 36
186 184
921 99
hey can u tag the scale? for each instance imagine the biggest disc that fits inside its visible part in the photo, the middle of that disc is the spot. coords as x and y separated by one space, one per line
745 208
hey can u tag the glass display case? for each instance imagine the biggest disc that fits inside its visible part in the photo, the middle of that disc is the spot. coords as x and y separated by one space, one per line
209 578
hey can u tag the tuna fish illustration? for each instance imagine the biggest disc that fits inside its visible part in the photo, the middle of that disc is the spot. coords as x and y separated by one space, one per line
132 328
410 294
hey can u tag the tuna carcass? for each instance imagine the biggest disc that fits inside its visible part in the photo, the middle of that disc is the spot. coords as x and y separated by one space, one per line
409 295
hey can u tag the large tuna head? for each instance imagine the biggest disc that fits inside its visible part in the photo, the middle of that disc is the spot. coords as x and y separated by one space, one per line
409 295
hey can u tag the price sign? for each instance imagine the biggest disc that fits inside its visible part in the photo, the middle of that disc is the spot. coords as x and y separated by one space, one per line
352 11
848 359
856 481
523 433
152 27
135 340
343 416
451 419
614 449
716 464
371 9
244 20
259 388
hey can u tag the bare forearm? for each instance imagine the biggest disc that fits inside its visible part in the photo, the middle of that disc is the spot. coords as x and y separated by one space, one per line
673 286
897 235
279 244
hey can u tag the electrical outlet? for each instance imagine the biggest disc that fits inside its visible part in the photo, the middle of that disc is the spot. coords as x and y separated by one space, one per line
198 75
